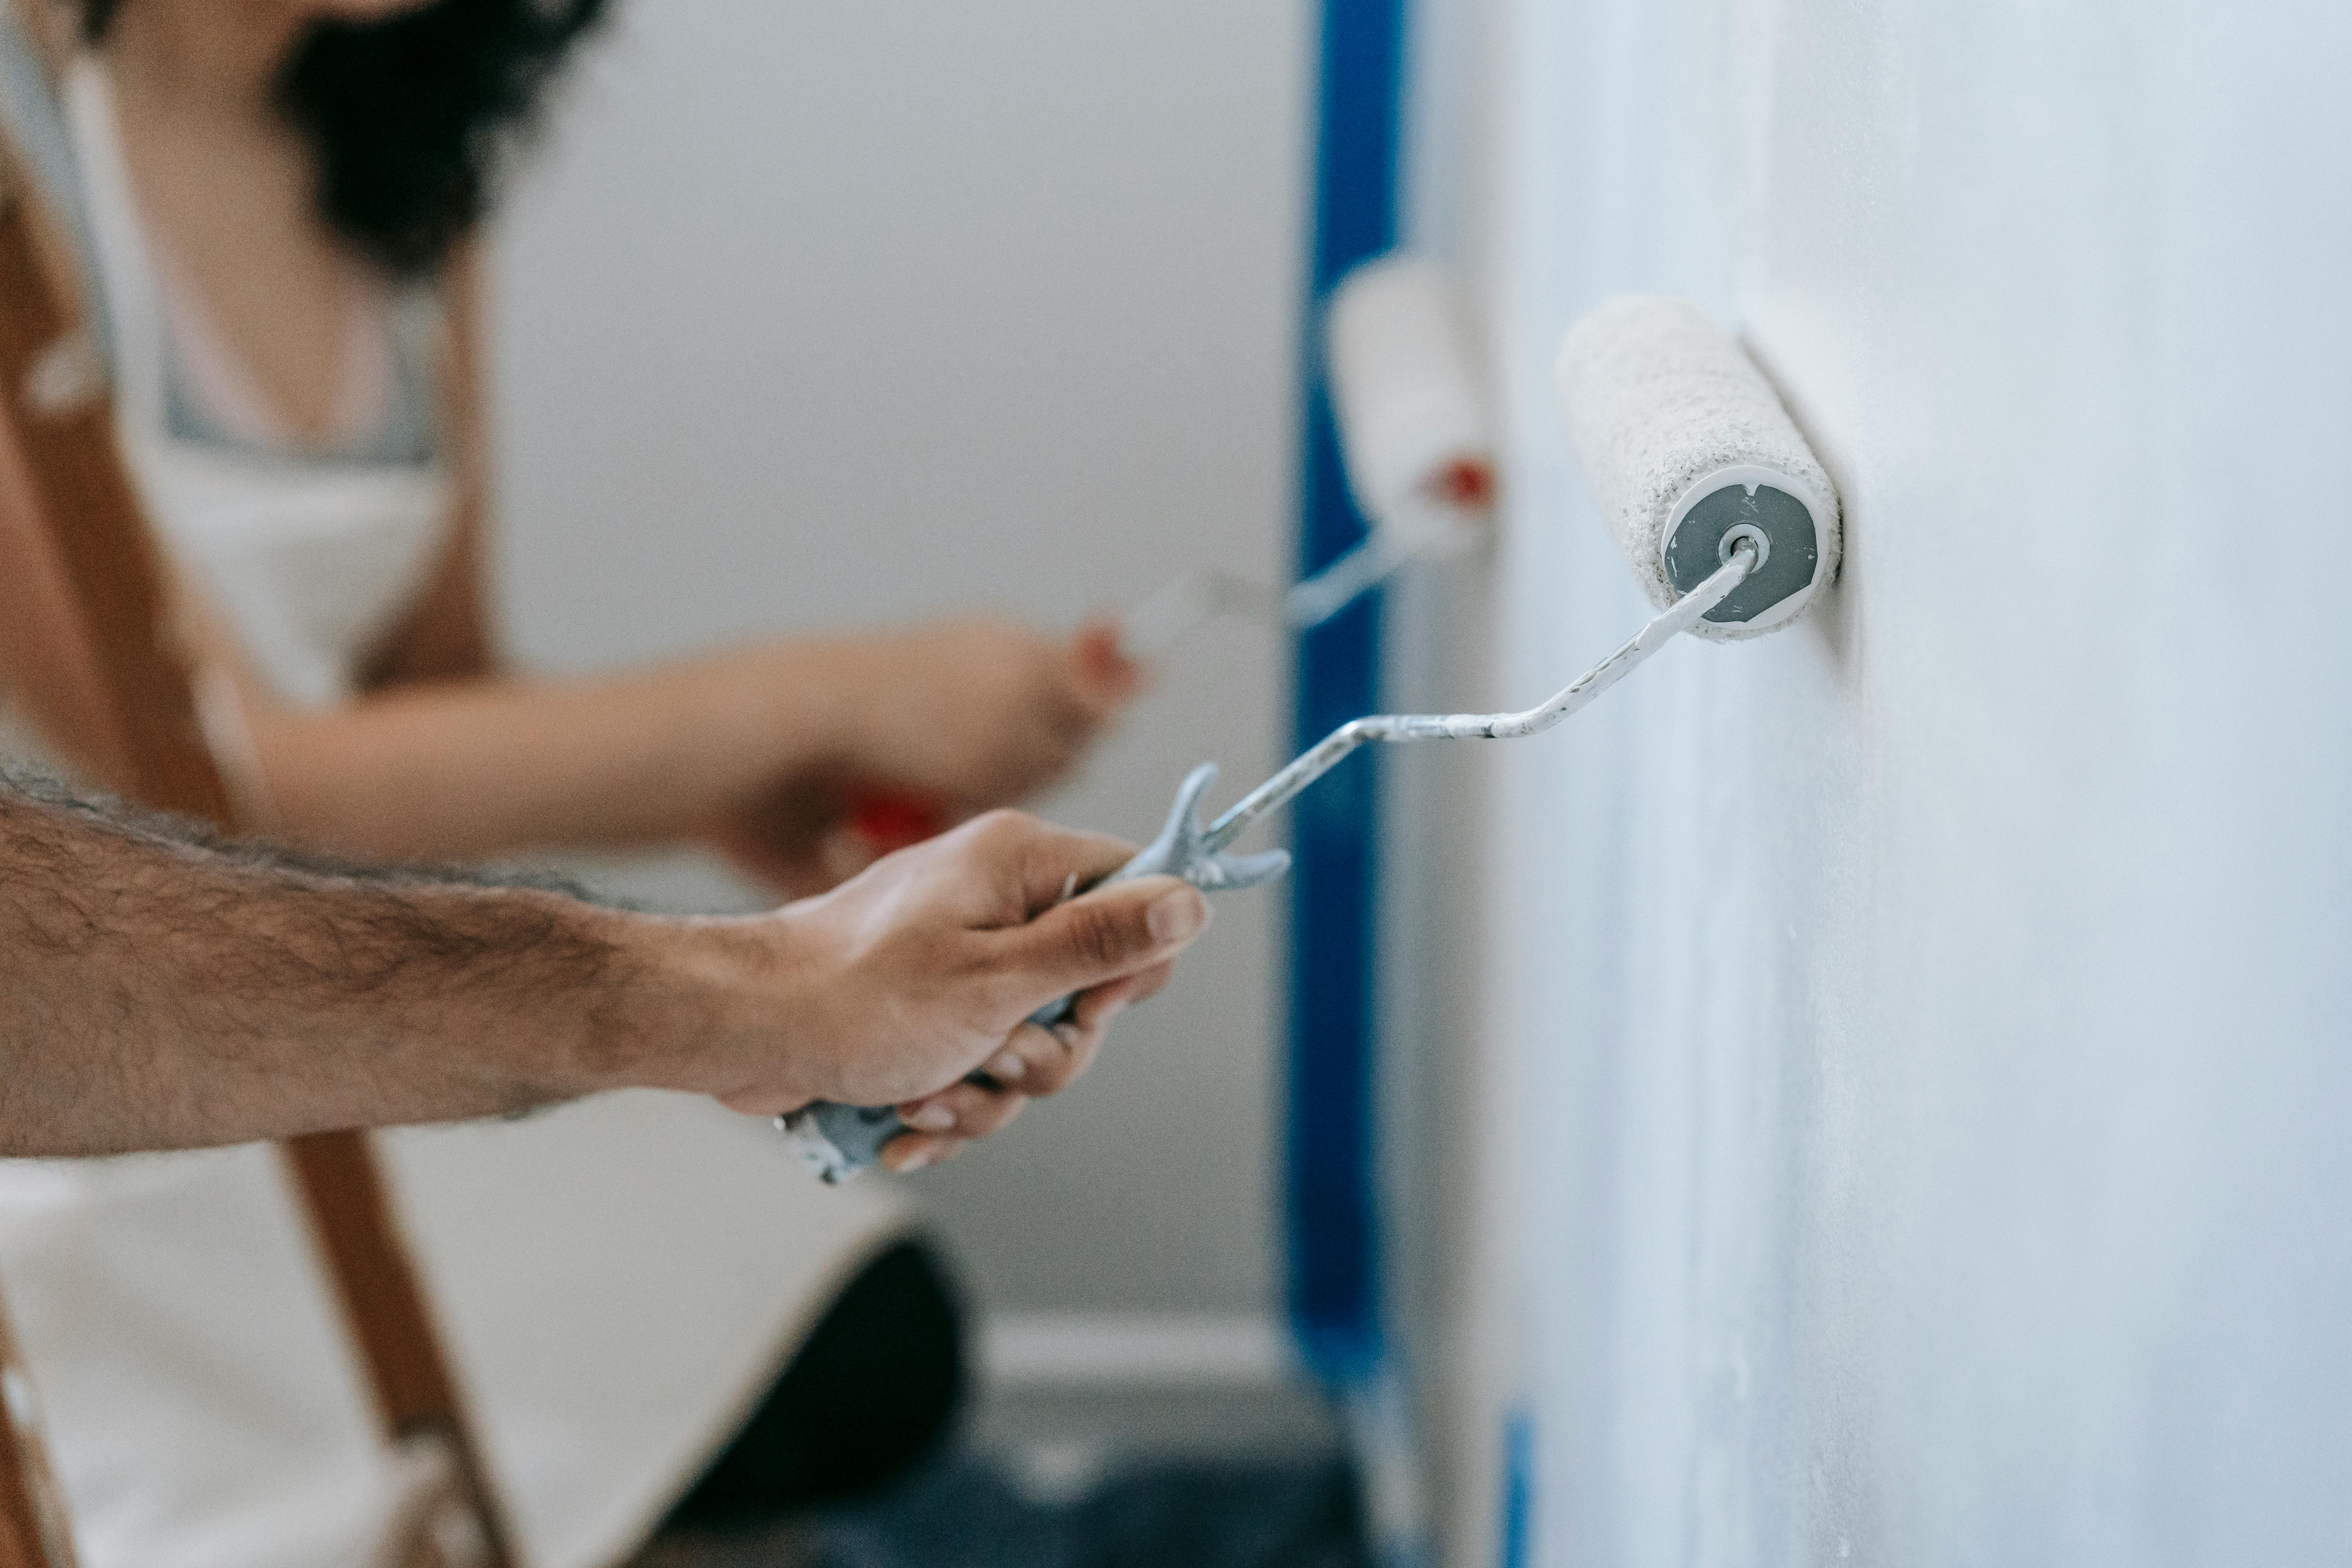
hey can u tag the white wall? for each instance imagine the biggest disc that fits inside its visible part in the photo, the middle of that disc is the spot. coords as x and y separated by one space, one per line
823 314
1928 1025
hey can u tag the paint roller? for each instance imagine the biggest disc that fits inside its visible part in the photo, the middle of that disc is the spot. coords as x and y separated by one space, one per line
1729 523
1688 451
1413 436
1419 456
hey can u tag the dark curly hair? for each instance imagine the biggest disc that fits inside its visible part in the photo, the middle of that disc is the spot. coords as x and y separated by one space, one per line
411 118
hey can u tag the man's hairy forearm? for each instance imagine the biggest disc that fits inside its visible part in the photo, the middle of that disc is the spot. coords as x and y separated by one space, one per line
160 988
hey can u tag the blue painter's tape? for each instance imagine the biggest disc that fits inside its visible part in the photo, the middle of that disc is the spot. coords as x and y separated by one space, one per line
1332 1198
1518 1488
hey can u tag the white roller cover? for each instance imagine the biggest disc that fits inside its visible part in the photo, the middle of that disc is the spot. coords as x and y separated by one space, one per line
1663 408
1409 410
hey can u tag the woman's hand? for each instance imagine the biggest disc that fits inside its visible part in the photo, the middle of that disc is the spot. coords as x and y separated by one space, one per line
797 837
939 723
980 714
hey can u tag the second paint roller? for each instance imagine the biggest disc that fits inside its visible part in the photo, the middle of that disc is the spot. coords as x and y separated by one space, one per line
1419 456
1729 523
1415 436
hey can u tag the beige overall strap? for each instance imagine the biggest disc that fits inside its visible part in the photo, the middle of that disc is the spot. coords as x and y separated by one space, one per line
60 410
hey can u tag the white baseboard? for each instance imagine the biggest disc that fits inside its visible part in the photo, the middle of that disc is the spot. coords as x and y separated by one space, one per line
1107 1350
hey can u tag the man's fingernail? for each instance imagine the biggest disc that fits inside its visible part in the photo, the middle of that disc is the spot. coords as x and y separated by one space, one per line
1177 915
1006 1067
905 1165
933 1118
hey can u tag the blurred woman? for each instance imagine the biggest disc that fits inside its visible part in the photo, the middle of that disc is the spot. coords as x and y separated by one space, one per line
654 1313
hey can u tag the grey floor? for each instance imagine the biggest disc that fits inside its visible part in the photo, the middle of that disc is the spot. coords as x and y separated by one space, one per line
1222 1476
1057 1440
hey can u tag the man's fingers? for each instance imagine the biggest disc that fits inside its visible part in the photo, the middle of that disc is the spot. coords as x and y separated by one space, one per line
911 1151
1097 1007
1034 1062
1104 935
1042 1061
964 1110
1053 1059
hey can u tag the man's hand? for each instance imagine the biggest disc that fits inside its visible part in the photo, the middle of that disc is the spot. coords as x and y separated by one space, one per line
893 988
161 989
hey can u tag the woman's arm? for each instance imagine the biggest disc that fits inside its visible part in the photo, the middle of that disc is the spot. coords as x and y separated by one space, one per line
464 769
972 712
756 749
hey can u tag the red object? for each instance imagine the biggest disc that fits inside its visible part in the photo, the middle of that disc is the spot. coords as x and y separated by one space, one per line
1467 484
888 819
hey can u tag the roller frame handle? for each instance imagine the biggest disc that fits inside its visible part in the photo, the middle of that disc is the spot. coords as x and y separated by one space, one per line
838 1141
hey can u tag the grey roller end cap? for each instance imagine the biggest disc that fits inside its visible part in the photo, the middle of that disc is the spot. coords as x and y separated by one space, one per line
1695 552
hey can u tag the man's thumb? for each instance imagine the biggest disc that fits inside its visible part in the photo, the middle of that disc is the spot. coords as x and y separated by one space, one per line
1107 934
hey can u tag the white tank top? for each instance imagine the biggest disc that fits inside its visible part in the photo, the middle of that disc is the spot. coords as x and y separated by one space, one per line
617 1279
312 557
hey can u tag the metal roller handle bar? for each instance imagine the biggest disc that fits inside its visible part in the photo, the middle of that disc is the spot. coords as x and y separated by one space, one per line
1183 605
1327 754
840 1140
891 819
